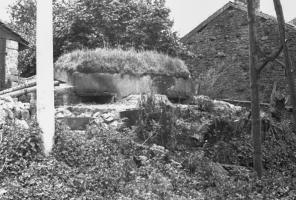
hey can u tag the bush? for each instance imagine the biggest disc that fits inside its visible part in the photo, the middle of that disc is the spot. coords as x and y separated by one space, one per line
18 148
120 61
157 122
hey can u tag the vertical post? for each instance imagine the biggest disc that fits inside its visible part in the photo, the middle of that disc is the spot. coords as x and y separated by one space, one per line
254 77
2 63
45 80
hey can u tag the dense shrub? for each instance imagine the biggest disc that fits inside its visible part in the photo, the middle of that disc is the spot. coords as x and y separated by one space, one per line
18 148
106 164
120 61
157 122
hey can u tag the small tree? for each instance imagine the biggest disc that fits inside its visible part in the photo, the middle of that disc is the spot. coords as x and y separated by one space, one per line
288 64
256 66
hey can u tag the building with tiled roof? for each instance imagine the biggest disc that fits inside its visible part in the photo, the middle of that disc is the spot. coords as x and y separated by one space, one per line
221 46
10 45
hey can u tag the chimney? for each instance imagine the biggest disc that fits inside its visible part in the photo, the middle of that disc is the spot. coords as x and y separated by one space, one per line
245 3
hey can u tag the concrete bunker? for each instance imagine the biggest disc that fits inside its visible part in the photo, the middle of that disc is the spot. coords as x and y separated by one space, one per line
104 75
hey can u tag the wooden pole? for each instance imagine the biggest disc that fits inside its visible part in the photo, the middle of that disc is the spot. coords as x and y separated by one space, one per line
2 63
254 78
45 79
22 86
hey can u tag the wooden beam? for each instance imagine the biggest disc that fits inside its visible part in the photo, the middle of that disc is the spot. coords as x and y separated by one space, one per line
2 63
23 86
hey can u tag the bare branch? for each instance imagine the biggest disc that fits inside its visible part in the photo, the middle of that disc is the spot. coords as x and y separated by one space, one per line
270 58
280 62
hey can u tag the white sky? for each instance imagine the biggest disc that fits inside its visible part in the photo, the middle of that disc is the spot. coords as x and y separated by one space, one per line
187 14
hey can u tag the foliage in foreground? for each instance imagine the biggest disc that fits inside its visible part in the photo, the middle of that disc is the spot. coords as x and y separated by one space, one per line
18 148
120 61
109 164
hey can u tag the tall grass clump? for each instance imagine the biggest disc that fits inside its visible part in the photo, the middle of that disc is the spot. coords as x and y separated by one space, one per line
123 62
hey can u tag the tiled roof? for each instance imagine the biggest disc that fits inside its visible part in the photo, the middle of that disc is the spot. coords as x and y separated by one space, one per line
19 38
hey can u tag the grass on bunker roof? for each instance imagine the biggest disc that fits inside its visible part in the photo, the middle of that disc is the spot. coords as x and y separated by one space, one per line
123 62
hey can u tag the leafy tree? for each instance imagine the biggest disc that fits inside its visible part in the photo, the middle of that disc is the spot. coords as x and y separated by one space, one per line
138 24
23 21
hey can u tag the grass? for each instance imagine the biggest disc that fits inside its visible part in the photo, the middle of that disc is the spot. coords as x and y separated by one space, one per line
123 62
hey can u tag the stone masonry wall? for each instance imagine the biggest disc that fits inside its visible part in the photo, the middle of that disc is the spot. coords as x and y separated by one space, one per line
222 63
11 63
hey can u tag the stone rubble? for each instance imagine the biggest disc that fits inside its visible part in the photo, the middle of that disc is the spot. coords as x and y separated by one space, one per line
14 111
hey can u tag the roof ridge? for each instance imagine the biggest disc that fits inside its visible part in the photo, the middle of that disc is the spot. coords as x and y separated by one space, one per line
221 10
8 28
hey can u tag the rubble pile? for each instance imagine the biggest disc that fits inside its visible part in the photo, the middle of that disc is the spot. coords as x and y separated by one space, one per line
14 111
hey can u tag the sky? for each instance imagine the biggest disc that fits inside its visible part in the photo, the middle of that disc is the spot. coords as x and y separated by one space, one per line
187 14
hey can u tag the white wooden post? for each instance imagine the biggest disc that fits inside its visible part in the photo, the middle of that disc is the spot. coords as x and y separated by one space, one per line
45 80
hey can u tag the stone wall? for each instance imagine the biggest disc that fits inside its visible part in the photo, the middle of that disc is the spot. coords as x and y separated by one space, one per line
222 62
11 78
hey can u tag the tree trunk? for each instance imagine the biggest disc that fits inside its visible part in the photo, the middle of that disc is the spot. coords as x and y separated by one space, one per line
45 80
281 24
254 78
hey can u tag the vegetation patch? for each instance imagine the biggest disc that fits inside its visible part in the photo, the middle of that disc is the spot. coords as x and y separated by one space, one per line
123 62
149 162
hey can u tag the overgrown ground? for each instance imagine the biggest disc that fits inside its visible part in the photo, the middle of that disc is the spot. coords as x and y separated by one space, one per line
154 160
120 61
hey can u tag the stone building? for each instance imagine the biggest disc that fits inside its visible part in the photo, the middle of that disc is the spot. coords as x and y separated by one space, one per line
221 46
10 45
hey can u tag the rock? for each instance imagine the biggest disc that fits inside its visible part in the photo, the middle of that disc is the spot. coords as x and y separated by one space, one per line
2 116
85 114
218 171
25 114
207 104
6 99
97 115
108 117
63 112
221 54
17 112
59 115
9 113
222 106
98 120
144 159
11 110
212 38
2 191
21 124
158 150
